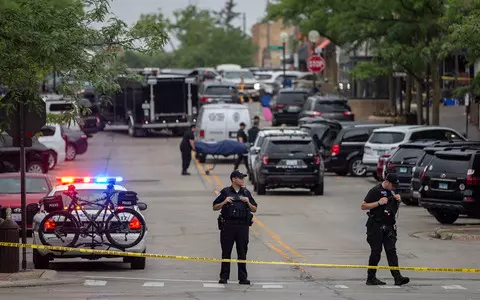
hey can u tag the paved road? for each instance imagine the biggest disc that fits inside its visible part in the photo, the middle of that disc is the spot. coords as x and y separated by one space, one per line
290 226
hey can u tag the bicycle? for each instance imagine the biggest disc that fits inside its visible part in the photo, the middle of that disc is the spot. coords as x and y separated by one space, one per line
92 227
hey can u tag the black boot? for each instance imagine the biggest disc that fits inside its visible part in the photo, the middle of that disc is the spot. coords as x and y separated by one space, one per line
375 281
401 280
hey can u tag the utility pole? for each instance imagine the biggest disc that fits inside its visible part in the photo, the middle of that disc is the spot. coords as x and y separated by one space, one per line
268 34
245 23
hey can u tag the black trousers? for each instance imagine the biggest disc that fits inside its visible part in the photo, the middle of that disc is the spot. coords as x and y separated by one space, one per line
186 159
239 160
230 234
379 236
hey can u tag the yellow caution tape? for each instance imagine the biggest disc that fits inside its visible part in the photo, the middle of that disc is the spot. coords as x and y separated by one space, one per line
218 260
453 78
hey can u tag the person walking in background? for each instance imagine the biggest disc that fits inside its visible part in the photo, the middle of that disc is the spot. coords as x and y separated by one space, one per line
186 147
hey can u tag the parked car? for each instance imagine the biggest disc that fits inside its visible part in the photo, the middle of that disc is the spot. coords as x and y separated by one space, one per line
346 153
36 156
287 104
289 162
323 135
37 186
216 92
379 175
386 139
76 142
330 107
52 138
451 184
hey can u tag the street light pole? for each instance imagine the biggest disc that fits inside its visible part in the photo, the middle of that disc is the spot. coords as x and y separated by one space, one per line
314 37
284 39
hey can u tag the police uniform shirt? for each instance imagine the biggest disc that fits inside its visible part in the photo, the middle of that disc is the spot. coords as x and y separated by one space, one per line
185 144
241 134
230 192
374 195
252 134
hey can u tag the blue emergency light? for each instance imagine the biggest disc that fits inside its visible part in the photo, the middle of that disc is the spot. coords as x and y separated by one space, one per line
102 179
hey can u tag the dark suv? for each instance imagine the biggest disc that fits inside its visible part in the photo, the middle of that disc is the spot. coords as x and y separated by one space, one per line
346 152
333 107
287 104
424 160
289 162
451 184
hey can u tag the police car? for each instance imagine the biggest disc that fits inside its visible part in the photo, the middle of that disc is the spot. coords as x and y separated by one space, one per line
90 189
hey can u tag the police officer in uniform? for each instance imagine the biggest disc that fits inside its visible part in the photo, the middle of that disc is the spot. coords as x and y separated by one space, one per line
237 205
242 138
186 147
383 204
253 132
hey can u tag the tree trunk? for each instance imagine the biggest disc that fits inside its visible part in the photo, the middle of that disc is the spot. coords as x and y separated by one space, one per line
436 94
408 94
419 98
391 94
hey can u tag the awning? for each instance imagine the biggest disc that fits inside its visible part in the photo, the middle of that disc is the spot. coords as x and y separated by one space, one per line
323 44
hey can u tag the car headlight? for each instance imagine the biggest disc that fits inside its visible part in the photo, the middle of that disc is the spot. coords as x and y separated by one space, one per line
256 86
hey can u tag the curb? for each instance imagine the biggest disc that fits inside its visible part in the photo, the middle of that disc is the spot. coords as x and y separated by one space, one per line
452 234
47 277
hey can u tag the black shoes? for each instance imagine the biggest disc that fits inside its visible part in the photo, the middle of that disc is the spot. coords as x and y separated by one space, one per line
375 281
401 280
225 281
185 173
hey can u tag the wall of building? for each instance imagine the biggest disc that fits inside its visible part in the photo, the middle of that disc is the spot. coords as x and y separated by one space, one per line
260 39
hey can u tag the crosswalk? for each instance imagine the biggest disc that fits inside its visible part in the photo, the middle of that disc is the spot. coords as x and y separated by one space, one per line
198 284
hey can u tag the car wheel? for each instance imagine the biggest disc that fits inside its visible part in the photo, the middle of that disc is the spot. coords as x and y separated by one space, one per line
52 160
261 189
138 263
71 152
318 189
40 261
356 167
445 217
409 201
36 167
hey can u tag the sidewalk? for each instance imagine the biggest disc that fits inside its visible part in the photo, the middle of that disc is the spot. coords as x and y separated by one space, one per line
32 278
454 117
471 233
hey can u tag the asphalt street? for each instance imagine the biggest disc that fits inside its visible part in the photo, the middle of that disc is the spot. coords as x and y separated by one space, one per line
291 225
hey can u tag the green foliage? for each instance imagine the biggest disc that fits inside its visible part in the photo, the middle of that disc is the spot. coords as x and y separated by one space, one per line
42 36
207 39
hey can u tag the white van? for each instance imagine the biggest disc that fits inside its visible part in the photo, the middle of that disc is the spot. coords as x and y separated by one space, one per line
219 122
386 139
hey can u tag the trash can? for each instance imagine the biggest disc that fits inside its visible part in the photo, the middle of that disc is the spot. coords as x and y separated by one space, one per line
9 256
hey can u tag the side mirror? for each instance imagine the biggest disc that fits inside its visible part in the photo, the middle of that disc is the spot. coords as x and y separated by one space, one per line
142 206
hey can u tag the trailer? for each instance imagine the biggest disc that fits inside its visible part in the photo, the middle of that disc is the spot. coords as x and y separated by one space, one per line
155 103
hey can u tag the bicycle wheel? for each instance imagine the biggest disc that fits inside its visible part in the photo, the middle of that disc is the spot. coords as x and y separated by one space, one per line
123 222
58 227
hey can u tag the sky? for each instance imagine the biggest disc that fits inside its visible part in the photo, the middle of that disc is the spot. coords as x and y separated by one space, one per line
130 10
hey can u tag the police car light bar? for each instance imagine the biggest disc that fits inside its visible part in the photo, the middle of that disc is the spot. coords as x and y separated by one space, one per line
66 180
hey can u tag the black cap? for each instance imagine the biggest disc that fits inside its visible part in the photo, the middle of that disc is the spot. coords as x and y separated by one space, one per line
237 174
392 178
242 124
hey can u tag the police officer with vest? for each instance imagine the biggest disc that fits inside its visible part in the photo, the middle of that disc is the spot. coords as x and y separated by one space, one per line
237 205
383 204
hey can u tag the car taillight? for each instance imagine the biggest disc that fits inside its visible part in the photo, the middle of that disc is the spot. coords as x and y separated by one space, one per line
335 150
265 160
315 114
202 133
281 106
389 165
347 113
316 159
97 117
471 178
205 99
422 174
135 224
64 137
50 224
84 137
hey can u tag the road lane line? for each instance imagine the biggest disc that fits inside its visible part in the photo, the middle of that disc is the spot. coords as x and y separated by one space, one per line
341 286
453 287
94 283
213 285
154 284
272 286
202 171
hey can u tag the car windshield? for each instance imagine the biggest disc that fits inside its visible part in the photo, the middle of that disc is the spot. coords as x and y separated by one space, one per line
11 185
263 76
454 165
219 90
238 75
290 147
61 107
387 137
409 155
88 195
425 160
291 98
331 106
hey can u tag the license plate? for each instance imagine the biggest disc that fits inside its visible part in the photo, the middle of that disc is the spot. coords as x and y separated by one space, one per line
403 170
443 185
291 162
380 152
293 109
17 217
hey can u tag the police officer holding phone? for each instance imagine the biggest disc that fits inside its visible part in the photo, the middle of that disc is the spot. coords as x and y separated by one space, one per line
237 205
383 204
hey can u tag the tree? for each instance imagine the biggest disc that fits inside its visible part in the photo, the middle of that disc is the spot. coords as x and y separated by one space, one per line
44 36
227 14
405 34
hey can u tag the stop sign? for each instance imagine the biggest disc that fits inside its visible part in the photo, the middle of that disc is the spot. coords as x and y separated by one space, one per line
316 63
